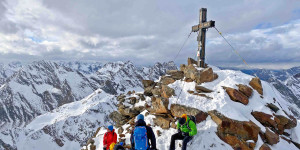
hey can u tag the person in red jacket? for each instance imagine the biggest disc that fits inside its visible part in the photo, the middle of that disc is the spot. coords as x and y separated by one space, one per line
109 137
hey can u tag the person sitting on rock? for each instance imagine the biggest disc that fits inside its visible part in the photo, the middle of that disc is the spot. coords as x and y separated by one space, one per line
109 137
186 130
141 136
119 146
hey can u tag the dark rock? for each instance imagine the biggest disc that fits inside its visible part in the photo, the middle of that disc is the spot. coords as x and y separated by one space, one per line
147 83
167 80
201 89
177 110
176 74
265 119
246 90
272 107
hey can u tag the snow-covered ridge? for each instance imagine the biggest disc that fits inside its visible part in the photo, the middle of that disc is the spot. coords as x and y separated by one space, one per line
206 137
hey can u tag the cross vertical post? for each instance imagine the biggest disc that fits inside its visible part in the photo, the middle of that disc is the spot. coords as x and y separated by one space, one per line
201 28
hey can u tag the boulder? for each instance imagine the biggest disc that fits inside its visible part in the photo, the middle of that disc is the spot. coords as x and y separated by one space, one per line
156 91
206 75
246 90
292 123
177 110
118 118
265 147
131 112
188 80
148 91
272 138
147 83
121 98
133 100
191 72
166 91
255 83
165 80
265 119
158 133
191 61
141 96
234 132
201 89
182 67
281 122
159 105
162 122
175 74
272 107
237 96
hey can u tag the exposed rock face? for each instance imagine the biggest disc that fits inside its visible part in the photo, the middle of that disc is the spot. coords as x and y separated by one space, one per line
272 138
118 118
176 74
246 90
162 122
201 89
265 147
177 110
281 122
255 83
205 75
237 96
273 107
234 132
166 91
191 61
160 105
264 119
147 83
167 80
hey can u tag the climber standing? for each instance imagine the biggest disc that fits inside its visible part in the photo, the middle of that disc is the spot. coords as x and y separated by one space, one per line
186 130
142 136
109 137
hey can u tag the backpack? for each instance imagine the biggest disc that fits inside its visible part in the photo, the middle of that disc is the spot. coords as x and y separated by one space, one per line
140 138
192 118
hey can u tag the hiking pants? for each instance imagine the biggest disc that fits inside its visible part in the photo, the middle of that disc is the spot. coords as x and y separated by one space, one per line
179 136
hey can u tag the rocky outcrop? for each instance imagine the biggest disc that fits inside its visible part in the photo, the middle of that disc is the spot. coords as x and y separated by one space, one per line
236 95
201 89
278 124
265 147
199 76
255 83
175 74
235 133
167 80
272 138
118 118
191 61
177 110
166 91
272 107
159 105
265 119
162 122
246 90
147 83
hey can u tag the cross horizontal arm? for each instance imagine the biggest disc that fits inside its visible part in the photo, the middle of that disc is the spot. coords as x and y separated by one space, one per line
204 25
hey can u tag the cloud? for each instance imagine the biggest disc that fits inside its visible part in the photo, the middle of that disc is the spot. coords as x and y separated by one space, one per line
146 31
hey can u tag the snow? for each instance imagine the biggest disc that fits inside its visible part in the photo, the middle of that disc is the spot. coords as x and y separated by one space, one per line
206 137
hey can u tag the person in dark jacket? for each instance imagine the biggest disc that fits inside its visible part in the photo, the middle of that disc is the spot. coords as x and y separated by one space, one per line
186 130
119 146
150 133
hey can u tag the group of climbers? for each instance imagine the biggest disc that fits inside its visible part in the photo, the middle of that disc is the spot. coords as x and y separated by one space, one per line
143 138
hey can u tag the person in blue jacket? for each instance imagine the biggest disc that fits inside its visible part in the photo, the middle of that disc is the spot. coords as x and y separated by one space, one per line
150 133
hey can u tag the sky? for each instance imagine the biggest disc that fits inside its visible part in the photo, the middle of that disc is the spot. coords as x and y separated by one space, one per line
266 33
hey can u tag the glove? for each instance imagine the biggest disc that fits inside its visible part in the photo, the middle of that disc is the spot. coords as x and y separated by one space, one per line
185 134
104 148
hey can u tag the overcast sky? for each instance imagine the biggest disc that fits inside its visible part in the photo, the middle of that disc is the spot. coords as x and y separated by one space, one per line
265 32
